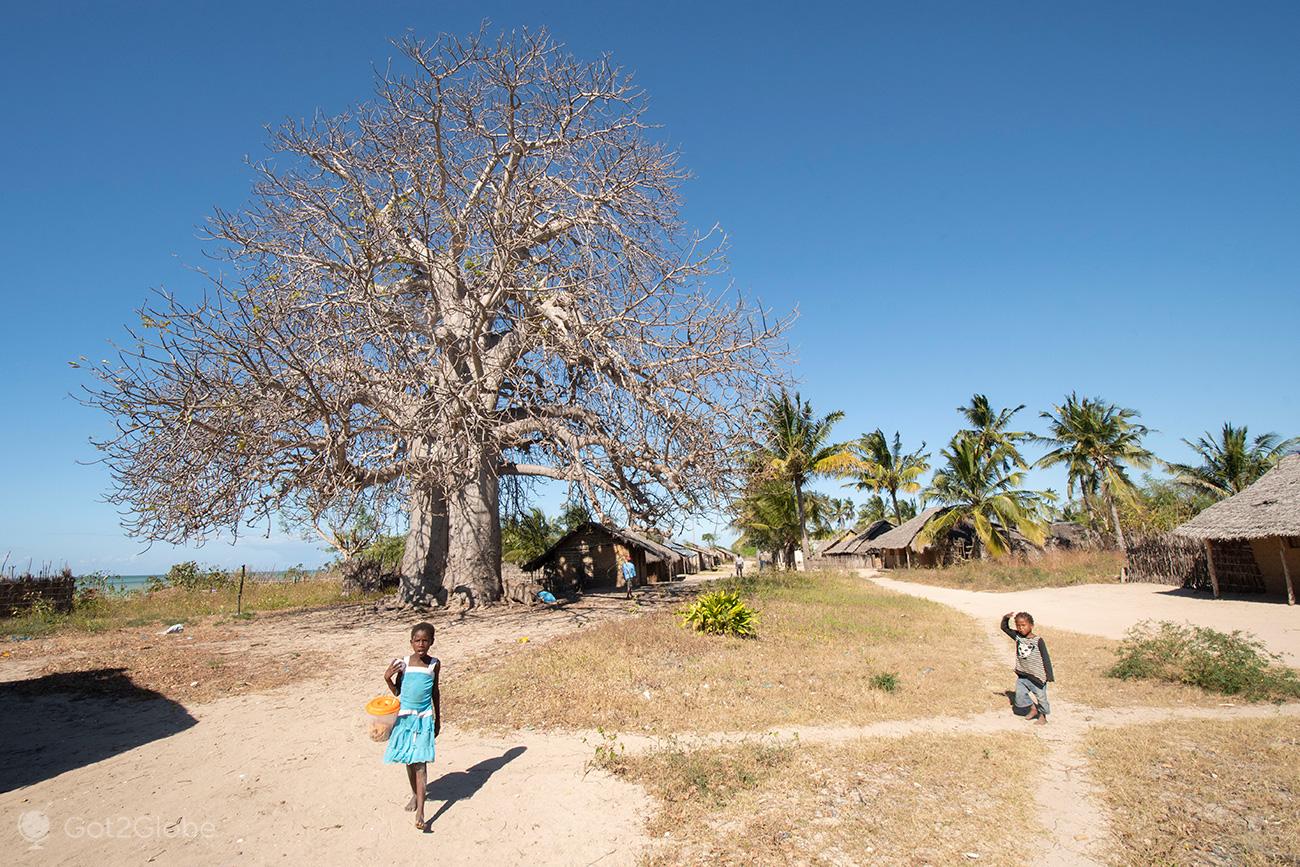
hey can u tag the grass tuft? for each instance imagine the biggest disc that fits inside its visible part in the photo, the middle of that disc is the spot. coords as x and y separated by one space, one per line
721 612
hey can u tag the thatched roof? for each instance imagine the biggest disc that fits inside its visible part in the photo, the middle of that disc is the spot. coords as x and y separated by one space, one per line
865 541
903 535
835 544
1270 507
1071 534
858 541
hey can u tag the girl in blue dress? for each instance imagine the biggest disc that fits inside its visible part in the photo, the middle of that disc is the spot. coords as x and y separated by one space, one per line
415 681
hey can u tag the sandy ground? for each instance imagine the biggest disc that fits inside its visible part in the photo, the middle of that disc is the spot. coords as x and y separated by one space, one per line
288 774
1109 610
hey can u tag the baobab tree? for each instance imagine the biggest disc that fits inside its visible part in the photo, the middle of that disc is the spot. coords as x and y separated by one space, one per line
476 275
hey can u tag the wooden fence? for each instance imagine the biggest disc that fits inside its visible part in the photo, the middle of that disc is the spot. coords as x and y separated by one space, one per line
21 594
1166 559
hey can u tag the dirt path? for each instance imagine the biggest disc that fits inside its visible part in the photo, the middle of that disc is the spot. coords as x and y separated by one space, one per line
1109 610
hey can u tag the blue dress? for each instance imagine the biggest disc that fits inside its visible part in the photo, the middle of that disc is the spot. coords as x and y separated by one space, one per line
412 739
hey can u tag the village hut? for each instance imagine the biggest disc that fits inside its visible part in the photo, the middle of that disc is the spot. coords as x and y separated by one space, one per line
1252 539
898 548
857 551
708 560
827 547
691 561
589 557
1071 536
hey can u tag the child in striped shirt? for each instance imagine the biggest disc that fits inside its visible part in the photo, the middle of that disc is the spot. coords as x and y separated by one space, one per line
1033 667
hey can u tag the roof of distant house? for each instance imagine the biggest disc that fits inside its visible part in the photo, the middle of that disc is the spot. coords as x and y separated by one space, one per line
1270 507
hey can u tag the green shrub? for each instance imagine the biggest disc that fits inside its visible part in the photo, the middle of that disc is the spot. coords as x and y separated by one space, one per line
191 576
886 681
721 613
1235 664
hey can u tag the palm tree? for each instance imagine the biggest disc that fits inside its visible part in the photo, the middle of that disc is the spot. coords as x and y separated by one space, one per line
768 517
526 536
710 540
795 446
842 511
885 468
1097 442
1232 462
990 427
975 485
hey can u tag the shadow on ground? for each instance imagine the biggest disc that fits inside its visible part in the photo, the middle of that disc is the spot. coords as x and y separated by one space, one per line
463 785
60 722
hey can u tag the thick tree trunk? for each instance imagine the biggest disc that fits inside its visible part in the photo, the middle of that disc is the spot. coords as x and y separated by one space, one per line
425 558
474 538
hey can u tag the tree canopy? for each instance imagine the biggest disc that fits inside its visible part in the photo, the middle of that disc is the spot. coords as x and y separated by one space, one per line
478 274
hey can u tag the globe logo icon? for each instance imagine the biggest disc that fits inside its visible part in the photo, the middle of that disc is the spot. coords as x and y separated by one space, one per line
34 826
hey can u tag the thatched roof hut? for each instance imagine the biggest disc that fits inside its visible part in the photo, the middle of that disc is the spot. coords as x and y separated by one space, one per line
1071 535
830 547
852 548
1252 539
589 556
898 548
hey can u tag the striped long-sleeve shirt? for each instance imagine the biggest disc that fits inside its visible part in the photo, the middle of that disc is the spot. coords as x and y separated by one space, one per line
1032 659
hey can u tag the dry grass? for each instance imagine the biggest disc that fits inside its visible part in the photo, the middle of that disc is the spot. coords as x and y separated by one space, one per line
175 605
1052 569
822 637
922 799
1080 663
1202 792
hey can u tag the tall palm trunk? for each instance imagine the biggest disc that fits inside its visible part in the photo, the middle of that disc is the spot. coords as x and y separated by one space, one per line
893 498
1114 517
803 525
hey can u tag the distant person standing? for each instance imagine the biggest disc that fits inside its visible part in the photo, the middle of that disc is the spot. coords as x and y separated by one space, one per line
740 566
629 577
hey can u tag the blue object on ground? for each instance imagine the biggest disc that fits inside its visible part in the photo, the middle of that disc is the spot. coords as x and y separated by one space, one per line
547 597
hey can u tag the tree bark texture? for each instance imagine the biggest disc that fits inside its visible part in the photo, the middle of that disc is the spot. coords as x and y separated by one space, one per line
424 559
474 538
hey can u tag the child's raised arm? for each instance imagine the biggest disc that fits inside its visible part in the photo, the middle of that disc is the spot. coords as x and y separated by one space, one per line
1006 618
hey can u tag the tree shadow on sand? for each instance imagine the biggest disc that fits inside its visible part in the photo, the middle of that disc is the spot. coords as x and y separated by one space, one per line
60 722
463 785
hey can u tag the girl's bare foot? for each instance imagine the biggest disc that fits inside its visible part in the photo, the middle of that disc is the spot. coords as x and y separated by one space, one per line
421 824
1041 720
1033 712
410 805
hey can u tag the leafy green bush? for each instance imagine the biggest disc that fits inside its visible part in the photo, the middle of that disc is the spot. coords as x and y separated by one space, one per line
721 613
191 576
885 681
1231 664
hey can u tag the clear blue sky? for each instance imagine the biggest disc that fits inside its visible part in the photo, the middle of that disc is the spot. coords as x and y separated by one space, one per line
1020 199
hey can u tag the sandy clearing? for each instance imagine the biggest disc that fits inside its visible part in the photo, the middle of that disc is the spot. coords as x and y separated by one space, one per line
289 774
1109 610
